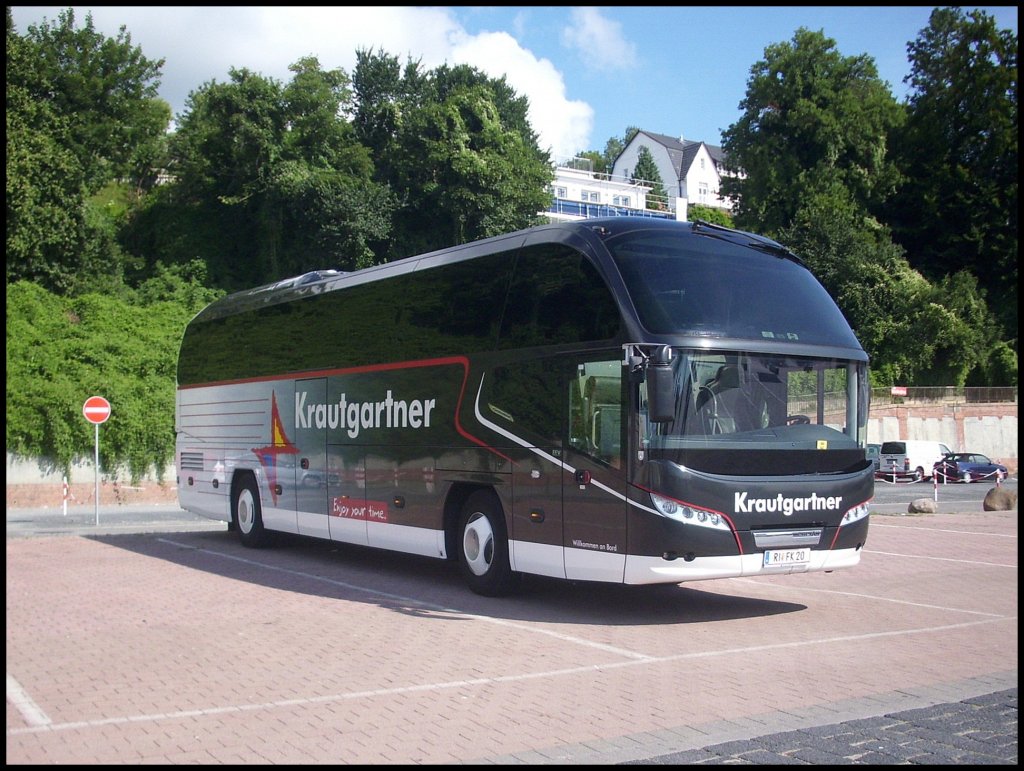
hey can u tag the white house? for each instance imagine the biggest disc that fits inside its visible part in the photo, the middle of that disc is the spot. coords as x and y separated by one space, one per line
580 193
690 171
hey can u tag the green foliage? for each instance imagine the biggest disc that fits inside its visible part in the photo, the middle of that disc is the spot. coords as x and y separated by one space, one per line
270 182
45 195
812 118
466 176
712 214
914 332
957 208
80 110
813 145
598 165
455 147
999 368
60 351
103 88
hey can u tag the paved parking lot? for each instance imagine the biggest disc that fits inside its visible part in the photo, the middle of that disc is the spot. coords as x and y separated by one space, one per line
181 646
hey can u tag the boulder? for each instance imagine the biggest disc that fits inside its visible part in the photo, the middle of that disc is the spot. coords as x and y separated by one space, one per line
1000 499
922 506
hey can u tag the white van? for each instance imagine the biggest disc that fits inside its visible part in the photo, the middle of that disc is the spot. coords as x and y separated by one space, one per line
910 459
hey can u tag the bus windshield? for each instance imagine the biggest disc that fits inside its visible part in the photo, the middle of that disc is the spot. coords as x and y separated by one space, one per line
759 400
708 287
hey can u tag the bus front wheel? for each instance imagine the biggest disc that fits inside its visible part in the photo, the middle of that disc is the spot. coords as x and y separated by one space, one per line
483 546
247 514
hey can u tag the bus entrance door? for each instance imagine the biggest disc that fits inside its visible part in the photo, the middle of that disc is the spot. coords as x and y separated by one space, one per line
593 482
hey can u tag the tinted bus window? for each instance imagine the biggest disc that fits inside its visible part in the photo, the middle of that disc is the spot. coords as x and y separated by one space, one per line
706 286
557 296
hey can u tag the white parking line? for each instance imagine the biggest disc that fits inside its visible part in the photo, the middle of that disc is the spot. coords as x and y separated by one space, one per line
29 710
942 559
861 596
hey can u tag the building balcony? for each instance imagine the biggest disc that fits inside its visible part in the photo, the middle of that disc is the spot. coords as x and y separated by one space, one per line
562 209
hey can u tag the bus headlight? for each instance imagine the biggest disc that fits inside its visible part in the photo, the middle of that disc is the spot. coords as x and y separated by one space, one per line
857 512
689 515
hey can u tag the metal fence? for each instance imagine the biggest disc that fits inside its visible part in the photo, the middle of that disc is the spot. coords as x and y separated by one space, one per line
943 395
563 207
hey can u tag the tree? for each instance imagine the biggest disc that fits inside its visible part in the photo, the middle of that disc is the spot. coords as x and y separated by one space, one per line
916 333
104 88
455 147
811 118
45 193
646 173
385 94
270 181
597 161
957 208
465 175
80 111
812 146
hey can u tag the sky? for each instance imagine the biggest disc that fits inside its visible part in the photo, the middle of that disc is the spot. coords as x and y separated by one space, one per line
589 72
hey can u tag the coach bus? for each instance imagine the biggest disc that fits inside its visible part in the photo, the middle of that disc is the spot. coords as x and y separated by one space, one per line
624 400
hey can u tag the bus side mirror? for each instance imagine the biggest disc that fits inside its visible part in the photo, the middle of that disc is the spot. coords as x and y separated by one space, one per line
661 392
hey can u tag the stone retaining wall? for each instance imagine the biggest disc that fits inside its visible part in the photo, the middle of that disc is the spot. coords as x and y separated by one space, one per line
990 429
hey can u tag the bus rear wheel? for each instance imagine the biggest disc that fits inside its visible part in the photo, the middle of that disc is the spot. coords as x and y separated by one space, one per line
483 546
247 514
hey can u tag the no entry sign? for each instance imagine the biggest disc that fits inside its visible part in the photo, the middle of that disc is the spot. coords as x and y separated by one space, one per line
96 409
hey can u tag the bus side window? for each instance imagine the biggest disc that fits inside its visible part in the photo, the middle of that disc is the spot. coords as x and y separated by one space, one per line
595 410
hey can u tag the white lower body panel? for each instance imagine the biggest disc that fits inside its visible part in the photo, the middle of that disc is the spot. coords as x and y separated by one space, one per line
655 570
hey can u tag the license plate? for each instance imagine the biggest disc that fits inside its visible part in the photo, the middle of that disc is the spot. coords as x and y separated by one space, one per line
783 557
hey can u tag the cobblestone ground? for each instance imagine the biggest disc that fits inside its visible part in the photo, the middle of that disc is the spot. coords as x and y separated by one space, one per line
982 730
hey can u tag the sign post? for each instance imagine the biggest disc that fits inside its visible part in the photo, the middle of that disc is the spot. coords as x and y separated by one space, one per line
96 410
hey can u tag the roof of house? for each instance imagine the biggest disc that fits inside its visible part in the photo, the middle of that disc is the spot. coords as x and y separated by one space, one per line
681 152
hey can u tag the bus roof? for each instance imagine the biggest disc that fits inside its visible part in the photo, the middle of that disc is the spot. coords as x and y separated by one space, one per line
328 280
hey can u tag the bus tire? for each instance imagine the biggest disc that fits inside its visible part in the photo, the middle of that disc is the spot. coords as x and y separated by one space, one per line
483 546
919 474
247 514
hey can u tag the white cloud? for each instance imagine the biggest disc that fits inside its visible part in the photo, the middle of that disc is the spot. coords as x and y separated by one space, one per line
599 41
563 126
